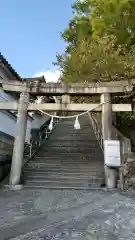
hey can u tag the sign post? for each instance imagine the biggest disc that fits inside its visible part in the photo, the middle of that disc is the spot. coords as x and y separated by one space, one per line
112 153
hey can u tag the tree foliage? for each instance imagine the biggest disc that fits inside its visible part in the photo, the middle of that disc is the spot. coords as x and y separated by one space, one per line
100 41
99 60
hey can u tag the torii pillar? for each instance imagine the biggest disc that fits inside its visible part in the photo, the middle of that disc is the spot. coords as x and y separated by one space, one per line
18 150
110 173
66 100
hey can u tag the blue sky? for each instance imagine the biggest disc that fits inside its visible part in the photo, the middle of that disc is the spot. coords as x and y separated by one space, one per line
30 33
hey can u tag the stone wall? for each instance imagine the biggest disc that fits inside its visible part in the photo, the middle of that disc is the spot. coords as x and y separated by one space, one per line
6 144
128 172
6 148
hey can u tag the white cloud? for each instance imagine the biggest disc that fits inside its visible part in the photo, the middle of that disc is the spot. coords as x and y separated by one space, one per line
50 76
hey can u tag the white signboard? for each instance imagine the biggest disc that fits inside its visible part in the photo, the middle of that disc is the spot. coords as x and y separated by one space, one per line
112 153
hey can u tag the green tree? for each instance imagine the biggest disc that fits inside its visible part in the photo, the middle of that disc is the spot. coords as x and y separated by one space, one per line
100 46
98 60
115 17
79 28
100 41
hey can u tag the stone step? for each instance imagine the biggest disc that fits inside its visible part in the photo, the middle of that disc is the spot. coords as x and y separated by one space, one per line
68 152
75 167
93 186
58 158
69 155
65 167
81 178
73 138
61 185
65 162
72 147
64 172
65 130
69 130
70 142
65 177
70 158
62 150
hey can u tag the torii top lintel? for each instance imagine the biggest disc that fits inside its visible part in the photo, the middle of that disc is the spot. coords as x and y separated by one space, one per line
42 88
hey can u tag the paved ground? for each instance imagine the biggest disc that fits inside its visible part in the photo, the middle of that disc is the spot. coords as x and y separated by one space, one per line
67 215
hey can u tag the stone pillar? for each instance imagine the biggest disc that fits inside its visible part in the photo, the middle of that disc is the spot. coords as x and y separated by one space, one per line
18 150
106 116
65 100
110 173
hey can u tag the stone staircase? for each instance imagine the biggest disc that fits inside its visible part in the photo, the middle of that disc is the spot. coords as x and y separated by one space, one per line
69 159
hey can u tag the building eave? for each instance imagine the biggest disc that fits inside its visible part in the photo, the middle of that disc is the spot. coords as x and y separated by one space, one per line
9 67
35 79
15 74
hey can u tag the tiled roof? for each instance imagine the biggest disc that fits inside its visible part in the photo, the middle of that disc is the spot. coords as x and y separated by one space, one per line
39 79
11 69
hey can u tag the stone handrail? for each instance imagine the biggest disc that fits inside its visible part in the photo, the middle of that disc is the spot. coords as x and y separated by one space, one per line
37 138
116 135
97 130
124 141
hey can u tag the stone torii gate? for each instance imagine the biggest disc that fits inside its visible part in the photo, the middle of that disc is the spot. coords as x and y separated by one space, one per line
105 90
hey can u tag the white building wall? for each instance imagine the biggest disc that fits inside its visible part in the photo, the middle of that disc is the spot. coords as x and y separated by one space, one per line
8 125
8 122
4 96
39 120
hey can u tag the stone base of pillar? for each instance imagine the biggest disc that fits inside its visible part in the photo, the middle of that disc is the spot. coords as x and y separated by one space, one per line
111 177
